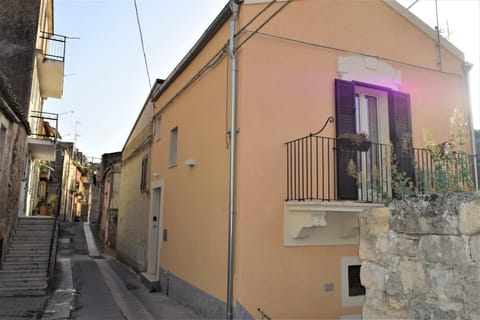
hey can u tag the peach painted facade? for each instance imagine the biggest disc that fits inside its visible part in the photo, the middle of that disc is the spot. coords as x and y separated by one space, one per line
286 90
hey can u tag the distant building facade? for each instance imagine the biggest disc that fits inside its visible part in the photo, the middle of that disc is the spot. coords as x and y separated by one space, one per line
109 197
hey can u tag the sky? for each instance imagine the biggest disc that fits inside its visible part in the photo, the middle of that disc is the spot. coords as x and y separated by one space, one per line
105 82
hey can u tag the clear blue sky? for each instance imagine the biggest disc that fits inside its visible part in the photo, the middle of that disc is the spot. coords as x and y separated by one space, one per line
106 84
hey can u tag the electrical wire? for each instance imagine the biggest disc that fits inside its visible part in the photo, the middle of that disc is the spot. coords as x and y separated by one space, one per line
143 45
317 45
220 54
263 24
255 17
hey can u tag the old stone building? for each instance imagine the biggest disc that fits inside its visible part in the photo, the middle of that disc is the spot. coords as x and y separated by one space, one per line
19 22
18 25
31 70
109 197
13 134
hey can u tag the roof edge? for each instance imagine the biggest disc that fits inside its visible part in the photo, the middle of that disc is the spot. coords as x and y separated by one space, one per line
419 23
195 50
157 85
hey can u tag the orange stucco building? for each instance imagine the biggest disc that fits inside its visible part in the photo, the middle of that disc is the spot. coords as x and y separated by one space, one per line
370 65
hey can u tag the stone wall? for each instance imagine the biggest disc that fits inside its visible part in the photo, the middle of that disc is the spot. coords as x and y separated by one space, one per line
12 151
18 25
421 258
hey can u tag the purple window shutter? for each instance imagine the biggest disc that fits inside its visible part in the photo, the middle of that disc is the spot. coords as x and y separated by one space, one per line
400 123
345 122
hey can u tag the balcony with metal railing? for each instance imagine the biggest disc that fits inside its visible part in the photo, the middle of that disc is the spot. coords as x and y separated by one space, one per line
330 181
43 139
323 168
50 55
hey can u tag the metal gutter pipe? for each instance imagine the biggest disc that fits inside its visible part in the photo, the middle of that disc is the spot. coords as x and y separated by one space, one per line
234 6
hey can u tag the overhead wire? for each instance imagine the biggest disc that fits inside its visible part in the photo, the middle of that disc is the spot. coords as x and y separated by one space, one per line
142 43
317 45
263 24
220 54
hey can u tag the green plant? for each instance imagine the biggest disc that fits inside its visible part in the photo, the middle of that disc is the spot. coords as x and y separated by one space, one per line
377 184
451 164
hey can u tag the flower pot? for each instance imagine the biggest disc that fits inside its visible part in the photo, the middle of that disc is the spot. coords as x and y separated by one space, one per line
347 144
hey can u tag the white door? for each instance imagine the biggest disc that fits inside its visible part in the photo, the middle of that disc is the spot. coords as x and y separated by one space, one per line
154 241
373 166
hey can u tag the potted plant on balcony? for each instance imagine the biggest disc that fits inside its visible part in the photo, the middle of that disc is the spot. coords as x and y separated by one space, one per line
354 141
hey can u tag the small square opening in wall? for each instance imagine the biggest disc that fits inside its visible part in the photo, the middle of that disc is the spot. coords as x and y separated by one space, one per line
353 292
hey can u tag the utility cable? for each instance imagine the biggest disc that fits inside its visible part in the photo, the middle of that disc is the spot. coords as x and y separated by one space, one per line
255 17
143 45
264 23
317 45
220 54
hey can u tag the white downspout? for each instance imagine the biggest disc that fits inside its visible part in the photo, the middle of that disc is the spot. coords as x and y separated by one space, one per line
234 5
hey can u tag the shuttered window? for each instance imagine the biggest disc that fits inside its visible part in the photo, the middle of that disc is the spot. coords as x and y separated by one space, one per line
400 126
144 175
345 123
172 158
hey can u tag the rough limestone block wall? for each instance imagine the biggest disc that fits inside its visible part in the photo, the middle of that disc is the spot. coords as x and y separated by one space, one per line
421 258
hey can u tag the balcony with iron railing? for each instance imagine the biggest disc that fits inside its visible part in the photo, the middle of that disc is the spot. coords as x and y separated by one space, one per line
322 168
43 139
330 181
50 55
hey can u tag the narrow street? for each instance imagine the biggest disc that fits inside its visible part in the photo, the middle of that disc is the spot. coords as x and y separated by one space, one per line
93 285
90 284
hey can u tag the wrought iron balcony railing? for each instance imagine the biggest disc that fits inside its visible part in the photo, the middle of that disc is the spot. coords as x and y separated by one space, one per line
52 46
322 168
44 125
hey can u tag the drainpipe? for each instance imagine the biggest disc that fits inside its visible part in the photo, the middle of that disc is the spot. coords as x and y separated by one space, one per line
234 6
467 66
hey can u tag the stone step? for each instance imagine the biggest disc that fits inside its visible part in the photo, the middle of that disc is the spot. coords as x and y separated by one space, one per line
26 251
26 258
23 282
14 265
8 274
32 238
19 291
33 231
31 224
23 243
25 220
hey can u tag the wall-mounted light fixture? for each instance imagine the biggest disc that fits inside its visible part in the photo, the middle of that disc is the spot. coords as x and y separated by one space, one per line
190 162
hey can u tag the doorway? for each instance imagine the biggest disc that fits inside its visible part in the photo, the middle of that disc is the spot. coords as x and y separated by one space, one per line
371 110
155 229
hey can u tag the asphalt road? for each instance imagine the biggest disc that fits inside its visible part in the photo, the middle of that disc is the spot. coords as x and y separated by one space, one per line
103 288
